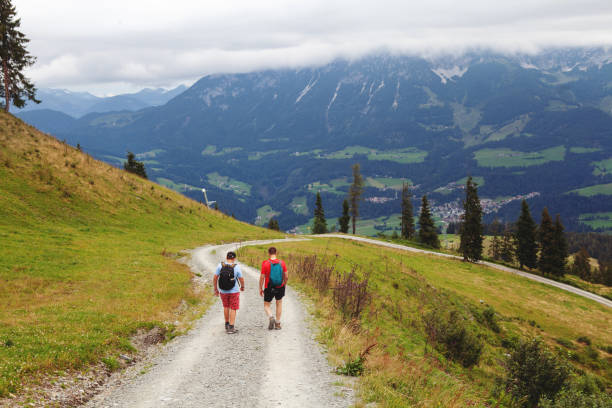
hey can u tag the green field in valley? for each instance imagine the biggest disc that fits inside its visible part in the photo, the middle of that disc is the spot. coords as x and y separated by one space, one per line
211 150
583 150
299 206
602 220
181 188
229 184
264 214
602 168
503 157
404 156
603 189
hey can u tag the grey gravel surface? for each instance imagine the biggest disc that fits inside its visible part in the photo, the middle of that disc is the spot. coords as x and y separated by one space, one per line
256 367
550 282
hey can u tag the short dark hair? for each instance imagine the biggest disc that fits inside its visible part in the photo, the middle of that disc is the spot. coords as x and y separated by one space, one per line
231 255
272 251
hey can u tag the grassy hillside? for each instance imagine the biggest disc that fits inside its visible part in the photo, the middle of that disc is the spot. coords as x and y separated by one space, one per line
409 291
88 256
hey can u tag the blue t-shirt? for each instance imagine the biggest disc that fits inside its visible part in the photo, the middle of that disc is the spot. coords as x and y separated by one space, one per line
237 274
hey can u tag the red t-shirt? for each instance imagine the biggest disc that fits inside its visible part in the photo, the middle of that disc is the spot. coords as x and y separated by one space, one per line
265 270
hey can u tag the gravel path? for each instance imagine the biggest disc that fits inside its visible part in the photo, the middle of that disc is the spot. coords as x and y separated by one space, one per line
253 368
563 286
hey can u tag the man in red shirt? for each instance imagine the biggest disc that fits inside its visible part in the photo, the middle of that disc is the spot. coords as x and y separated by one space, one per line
272 285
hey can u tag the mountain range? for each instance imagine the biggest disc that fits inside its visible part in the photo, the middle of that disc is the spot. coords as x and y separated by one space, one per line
77 104
263 143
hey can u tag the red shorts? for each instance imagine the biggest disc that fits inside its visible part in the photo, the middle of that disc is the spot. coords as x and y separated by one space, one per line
231 300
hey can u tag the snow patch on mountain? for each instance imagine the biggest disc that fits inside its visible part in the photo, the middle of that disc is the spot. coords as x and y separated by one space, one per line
447 74
209 94
371 94
307 89
396 99
335 95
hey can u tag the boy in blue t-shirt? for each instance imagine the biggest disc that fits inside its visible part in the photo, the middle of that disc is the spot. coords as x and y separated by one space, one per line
230 297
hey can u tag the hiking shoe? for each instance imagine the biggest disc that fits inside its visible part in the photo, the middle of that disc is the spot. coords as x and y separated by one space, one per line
277 326
231 330
226 326
272 323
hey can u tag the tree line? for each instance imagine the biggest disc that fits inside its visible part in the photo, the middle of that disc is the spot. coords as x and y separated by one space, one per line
542 248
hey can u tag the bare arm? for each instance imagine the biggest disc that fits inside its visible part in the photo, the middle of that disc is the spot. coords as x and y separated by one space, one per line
215 279
241 283
262 281
285 274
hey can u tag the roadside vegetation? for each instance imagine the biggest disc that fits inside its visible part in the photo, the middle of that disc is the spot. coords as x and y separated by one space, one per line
88 256
429 331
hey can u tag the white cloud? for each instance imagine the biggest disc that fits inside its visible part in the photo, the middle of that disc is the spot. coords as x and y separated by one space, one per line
128 44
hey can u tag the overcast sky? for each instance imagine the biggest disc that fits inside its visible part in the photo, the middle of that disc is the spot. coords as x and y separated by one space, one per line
114 46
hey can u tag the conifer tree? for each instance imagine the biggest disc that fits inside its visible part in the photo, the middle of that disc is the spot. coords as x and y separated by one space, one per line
546 237
526 245
495 248
407 218
14 59
471 233
507 248
582 265
560 247
320 225
427 230
345 219
134 166
273 225
355 192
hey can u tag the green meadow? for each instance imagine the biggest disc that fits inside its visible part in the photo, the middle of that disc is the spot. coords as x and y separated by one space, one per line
89 256
503 157
404 369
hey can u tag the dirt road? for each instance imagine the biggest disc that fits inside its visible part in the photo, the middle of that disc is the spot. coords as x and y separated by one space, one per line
253 368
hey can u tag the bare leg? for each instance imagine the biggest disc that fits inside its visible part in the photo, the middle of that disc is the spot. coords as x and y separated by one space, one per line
279 309
226 313
232 317
267 308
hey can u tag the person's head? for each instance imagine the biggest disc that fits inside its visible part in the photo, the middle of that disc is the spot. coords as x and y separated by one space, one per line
231 256
271 251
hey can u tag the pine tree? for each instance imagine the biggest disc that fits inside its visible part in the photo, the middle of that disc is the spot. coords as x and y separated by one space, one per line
320 225
546 237
134 166
427 229
582 265
407 218
508 249
560 247
14 59
273 225
355 192
495 248
345 219
526 246
471 233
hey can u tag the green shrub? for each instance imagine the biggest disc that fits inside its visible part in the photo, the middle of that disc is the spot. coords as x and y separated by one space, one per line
584 340
353 368
452 337
572 398
111 363
490 319
534 372
565 343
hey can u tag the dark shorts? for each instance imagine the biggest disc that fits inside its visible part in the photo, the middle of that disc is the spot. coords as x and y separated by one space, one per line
231 300
276 293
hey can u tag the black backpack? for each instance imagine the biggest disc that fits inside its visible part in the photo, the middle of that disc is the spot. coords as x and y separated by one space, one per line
227 280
